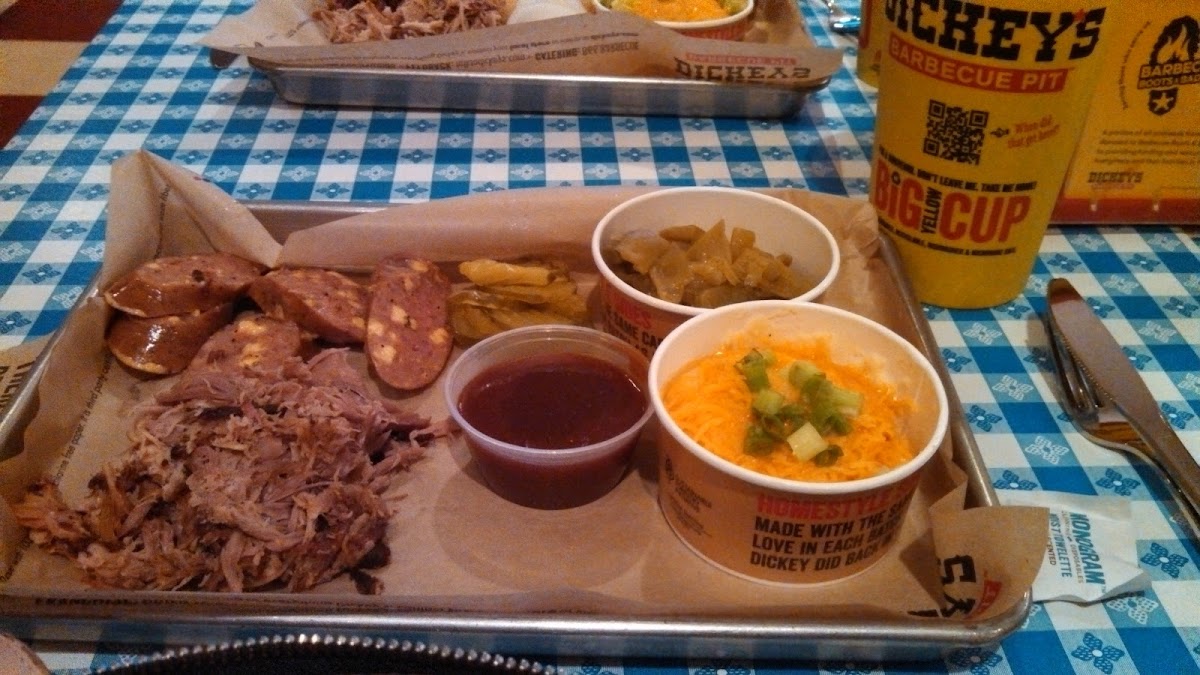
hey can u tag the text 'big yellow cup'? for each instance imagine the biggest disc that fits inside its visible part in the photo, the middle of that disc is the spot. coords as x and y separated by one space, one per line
979 110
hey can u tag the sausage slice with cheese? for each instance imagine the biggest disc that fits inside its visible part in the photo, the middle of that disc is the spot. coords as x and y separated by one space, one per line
252 342
326 303
182 284
164 345
408 334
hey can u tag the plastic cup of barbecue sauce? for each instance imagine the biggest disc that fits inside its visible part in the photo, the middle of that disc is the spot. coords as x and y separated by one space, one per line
981 105
551 414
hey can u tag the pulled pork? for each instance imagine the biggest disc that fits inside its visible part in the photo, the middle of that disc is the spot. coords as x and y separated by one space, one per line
239 482
363 20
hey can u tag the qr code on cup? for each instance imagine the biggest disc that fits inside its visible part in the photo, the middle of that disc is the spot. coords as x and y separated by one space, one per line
954 133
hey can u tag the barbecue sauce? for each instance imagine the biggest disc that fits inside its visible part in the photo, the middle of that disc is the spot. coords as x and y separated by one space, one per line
548 402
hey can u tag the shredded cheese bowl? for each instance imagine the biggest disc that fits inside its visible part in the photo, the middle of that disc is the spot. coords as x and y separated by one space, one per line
713 19
755 501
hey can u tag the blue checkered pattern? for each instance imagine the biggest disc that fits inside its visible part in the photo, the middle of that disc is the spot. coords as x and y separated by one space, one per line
143 84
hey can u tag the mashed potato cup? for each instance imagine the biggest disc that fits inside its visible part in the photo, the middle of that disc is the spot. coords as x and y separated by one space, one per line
712 19
642 319
780 530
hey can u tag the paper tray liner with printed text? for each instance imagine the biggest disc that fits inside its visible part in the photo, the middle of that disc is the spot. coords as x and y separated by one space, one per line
607 577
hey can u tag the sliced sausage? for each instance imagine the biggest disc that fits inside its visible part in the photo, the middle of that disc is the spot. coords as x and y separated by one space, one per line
253 341
329 304
408 335
182 284
164 345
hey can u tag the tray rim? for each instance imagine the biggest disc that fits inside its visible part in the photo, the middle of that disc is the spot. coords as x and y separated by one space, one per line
295 84
268 66
29 614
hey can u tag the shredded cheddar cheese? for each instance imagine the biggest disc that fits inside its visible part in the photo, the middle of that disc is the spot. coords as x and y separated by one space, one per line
710 402
674 10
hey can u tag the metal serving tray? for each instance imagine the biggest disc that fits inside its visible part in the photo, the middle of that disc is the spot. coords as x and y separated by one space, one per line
530 93
547 93
187 618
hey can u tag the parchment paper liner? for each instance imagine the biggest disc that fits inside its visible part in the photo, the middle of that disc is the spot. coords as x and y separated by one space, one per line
455 545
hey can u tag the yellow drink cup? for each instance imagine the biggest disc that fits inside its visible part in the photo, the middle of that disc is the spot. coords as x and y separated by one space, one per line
980 107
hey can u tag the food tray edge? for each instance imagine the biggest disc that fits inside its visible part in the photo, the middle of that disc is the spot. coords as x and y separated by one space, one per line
531 93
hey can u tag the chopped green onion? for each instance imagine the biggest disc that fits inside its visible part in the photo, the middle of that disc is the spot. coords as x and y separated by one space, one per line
801 372
847 401
773 426
753 368
831 407
829 456
759 441
806 442
782 423
768 402
838 424
792 415
822 408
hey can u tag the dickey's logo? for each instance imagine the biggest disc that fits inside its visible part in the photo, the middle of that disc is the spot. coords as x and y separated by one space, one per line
995 32
1173 62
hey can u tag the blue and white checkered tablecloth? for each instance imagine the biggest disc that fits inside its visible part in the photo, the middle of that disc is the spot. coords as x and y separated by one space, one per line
142 83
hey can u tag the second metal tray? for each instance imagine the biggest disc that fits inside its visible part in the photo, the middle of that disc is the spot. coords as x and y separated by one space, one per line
529 93
779 22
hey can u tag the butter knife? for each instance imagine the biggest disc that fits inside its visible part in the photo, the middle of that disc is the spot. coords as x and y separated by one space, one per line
1102 359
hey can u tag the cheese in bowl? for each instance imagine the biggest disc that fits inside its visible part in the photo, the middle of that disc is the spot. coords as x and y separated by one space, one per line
787 408
714 19
678 10
797 424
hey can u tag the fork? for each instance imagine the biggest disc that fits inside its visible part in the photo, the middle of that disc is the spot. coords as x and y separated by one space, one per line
1095 416
841 21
